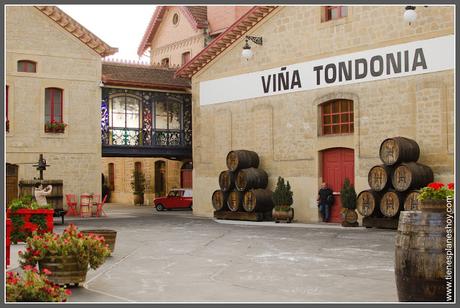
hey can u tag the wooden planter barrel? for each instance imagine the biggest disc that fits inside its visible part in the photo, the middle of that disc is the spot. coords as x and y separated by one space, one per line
411 203
411 176
242 159
398 149
235 200
64 269
227 180
110 236
392 203
368 203
283 213
379 177
258 200
432 206
219 200
251 178
420 256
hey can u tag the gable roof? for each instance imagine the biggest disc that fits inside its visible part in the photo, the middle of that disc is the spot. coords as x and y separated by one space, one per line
225 40
196 15
76 29
141 75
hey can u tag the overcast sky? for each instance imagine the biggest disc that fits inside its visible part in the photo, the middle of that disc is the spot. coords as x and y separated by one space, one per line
119 26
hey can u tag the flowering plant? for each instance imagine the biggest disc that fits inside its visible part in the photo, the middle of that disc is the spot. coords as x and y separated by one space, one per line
54 126
436 191
33 287
26 202
89 250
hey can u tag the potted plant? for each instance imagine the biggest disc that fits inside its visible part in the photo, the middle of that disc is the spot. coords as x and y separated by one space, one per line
282 198
28 216
55 127
68 256
348 198
433 197
138 186
33 287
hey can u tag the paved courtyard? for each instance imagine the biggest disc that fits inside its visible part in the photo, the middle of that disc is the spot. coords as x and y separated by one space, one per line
176 257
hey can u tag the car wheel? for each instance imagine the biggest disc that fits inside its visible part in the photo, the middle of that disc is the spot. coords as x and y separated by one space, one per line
160 207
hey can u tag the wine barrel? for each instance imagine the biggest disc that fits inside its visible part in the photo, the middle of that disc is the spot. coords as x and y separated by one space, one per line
241 159
351 216
258 200
367 203
411 176
235 200
420 256
411 203
64 269
226 180
110 236
379 177
251 178
391 203
398 149
219 200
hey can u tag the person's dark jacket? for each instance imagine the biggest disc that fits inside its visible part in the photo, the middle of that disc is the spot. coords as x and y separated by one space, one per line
326 196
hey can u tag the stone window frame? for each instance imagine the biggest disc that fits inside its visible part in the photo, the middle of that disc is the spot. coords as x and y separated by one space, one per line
326 12
61 102
26 66
189 57
165 62
175 19
111 169
344 118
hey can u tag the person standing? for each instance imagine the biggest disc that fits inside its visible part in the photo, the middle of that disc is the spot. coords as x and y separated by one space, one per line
325 200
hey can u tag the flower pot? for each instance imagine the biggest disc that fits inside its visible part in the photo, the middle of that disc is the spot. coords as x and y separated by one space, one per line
109 236
64 269
283 213
56 130
138 199
432 205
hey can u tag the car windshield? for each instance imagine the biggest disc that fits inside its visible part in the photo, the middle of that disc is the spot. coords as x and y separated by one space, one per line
175 193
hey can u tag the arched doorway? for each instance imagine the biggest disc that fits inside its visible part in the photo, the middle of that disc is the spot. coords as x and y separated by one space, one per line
186 178
160 178
338 164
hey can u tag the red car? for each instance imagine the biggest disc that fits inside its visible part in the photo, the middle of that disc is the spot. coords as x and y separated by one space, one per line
176 199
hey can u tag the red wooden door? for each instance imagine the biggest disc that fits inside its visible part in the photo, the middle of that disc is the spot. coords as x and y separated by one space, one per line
338 164
186 178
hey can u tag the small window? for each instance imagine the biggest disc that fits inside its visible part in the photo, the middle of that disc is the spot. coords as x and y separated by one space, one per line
53 105
337 117
175 19
112 176
7 121
333 12
138 166
27 66
165 62
185 57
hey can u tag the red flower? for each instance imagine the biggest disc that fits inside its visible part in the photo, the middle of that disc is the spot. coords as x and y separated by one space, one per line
450 186
80 235
68 292
436 185
46 271
28 267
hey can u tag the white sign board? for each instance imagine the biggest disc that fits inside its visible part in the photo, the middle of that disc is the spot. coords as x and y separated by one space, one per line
401 60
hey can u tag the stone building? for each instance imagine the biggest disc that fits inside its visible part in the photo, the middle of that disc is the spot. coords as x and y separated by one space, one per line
325 88
53 75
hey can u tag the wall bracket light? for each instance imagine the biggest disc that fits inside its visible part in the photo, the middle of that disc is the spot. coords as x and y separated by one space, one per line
247 52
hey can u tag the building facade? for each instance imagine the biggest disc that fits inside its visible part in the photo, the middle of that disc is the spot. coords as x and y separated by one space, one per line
316 100
53 71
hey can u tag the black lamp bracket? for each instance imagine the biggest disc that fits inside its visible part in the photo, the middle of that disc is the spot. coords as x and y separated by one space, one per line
255 39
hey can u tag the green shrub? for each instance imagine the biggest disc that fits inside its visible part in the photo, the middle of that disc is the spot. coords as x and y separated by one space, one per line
282 196
348 195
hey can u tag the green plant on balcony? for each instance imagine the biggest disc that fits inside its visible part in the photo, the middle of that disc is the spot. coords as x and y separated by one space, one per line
55 127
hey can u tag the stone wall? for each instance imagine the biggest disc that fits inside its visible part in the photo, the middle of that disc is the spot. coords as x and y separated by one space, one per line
284 129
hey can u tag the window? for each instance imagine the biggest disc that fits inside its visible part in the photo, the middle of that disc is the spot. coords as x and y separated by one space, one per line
175 19
333 12
112 176
53 105
124 119
185 57
337 117
165 62
7 121
138 166
27 66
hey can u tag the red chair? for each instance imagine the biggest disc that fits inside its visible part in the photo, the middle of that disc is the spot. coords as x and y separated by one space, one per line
85 202
95 201
99 210
71 204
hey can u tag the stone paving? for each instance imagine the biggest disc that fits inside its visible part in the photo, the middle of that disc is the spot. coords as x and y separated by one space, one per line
173 256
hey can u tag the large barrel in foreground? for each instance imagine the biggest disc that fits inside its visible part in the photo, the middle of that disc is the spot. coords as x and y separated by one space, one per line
258 200
399 149
235 200
251 178
421 257
392 203
219 200
242 159
379 177
411 176
368 203
227 180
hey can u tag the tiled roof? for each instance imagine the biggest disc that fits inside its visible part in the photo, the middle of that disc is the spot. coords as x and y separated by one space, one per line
145 76
197 15
73 27
225 40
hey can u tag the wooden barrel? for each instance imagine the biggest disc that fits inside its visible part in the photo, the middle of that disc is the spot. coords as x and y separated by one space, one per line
219 200
251 178
64 269
368 203
391 203
420 256
110 236
235 200
258 200
242 159
411 176
379 177
227 180
411 203
398 149
351 216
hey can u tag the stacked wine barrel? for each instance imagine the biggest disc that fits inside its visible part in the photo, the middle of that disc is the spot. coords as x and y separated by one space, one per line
394 184
243 187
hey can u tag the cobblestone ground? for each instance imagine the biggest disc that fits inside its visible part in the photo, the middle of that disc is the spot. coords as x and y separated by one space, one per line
176 257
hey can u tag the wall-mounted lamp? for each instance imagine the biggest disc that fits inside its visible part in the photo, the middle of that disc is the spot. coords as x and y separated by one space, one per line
101 84
247 52
409 14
